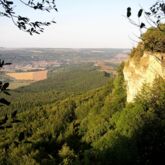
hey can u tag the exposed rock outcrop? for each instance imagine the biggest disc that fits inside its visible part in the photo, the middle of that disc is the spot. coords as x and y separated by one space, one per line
138 71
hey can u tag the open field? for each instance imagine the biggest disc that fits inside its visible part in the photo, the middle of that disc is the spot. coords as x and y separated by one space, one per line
29 76
105 67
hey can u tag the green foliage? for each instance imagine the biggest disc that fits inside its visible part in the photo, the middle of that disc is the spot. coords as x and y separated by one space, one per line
154 39
72 79
60 84
67 155
138 51
94 127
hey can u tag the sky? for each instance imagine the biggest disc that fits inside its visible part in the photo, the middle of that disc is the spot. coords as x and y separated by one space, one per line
80 24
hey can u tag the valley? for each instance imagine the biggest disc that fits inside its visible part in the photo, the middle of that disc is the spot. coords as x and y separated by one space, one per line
31 65
78 86
79 114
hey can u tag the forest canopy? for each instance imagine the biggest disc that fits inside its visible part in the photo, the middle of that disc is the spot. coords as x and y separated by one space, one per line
95 126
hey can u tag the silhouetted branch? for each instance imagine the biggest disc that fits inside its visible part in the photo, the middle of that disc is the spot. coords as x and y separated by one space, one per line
24 23
154 17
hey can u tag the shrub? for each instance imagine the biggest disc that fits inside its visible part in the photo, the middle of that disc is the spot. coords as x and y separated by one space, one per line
154 39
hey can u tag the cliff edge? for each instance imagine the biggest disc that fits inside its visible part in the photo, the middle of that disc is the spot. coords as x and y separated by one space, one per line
142 70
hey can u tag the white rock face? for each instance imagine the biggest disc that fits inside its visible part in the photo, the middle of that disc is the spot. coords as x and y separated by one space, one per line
141 71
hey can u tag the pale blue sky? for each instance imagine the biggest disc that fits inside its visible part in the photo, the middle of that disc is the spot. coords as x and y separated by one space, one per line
80 24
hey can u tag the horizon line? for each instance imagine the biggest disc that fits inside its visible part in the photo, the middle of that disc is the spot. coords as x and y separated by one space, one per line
61 48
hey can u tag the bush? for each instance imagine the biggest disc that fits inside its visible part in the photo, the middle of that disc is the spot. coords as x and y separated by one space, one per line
138 51
154 39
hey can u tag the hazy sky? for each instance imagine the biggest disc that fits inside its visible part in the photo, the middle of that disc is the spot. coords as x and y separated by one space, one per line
80 24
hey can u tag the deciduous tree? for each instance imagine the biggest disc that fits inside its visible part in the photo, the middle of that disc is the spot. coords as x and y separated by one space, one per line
153 17
8 8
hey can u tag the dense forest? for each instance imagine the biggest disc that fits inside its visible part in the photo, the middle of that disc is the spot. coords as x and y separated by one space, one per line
92 125
79 115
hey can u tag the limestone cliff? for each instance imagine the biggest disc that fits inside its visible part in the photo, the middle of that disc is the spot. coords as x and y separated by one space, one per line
145 69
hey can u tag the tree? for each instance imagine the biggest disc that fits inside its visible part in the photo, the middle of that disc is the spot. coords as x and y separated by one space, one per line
4 86
152 27
154 17
7 9
154 39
